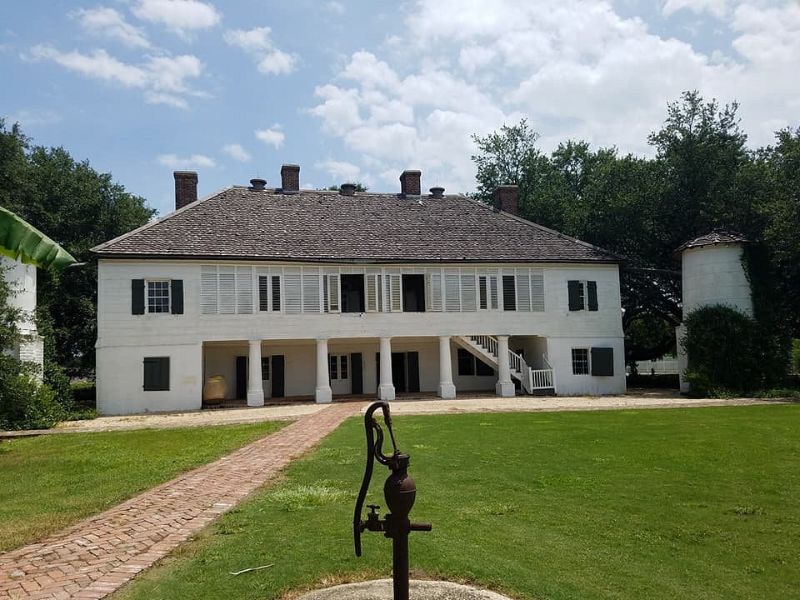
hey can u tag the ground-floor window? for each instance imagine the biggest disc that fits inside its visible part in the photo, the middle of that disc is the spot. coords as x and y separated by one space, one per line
156 374
580 361
339 367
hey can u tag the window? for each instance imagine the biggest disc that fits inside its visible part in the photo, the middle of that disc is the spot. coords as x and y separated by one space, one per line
580 361
269 293
582 295
353 293
156 374
413 293
158 296
435 291
338 367
509 293
469 364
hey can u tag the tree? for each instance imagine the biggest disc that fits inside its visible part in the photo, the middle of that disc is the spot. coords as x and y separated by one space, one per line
79 208
702 177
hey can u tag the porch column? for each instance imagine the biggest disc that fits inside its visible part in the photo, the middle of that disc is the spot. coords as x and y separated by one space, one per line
446 387
386 387
255 387
504 387
323 394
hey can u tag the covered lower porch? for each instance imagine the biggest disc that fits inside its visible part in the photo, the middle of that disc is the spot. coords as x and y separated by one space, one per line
258 372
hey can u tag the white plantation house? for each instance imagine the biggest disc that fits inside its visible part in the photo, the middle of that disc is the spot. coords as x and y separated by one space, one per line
298 293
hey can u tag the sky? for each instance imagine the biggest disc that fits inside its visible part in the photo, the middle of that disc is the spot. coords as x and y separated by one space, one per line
360 91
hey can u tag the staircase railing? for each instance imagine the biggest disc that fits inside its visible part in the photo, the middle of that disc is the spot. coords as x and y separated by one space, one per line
531 379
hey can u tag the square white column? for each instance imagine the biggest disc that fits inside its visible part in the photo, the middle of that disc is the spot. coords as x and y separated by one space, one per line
446 387
386 386
504 386
323 393
255 386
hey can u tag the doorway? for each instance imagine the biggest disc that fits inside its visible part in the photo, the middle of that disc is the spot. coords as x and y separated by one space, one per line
352 293
413 293
405 371
241 377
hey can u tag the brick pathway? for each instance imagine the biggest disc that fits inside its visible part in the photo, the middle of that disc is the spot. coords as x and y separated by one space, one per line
97 556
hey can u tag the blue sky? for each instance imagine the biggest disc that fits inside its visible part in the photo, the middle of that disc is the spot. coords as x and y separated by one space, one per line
363 90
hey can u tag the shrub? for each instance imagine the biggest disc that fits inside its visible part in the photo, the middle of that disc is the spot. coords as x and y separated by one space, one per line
729 352
796 356
25 403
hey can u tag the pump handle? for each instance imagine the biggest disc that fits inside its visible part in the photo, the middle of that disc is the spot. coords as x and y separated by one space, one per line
374 452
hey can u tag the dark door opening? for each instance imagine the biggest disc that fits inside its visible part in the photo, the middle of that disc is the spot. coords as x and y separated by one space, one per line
356 376
413 293
399 371
241 377
405 371
277 376
352 293
412 371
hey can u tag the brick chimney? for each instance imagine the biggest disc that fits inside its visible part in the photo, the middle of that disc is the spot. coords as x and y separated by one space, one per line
290 178
185 188
505 199
410 183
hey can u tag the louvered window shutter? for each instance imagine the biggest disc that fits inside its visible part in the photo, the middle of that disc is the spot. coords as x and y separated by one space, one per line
523 290
177 296
575 289
137 296
227 291
244 290
591 292
452 294
372 292
333 292
537 291
208 290
435 291
395 292
493 292
483 293
469 302
292 288
276 293
263 292
509 293
311 293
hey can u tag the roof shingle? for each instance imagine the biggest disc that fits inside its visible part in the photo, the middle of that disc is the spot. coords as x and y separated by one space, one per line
320 226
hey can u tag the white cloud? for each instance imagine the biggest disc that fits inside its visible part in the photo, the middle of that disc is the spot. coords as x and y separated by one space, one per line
163 79
341 171
578 70
195 161
107 22
28 117
272 136
257 42
182 16
718 8
236 152
335 7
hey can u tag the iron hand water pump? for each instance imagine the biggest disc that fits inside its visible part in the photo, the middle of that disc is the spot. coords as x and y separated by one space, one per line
399 492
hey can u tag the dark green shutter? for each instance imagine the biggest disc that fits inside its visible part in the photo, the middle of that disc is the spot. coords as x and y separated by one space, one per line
591 291
156 373
509 292
263 293
575 290
137 296
603 362
177 296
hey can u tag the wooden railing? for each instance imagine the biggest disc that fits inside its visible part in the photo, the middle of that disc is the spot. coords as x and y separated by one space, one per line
531 379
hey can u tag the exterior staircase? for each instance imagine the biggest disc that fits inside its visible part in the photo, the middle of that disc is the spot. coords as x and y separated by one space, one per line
532 381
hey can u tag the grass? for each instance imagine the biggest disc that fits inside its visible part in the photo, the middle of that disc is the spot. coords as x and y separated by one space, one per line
52 481
697 503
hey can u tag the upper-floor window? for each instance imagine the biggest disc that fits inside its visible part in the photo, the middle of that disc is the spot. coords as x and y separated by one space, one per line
156 296
582 295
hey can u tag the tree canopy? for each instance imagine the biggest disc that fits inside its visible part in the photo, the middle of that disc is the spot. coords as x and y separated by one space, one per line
78 208
702 176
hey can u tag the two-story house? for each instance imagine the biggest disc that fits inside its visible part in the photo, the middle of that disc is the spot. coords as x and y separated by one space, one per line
300 293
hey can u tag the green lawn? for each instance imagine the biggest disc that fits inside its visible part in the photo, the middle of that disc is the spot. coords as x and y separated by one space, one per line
49 482
692 503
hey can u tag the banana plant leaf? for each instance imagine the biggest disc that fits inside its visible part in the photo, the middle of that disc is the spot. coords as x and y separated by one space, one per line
19 240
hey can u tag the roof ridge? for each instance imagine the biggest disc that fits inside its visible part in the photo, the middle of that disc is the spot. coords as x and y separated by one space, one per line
547 229
166 217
